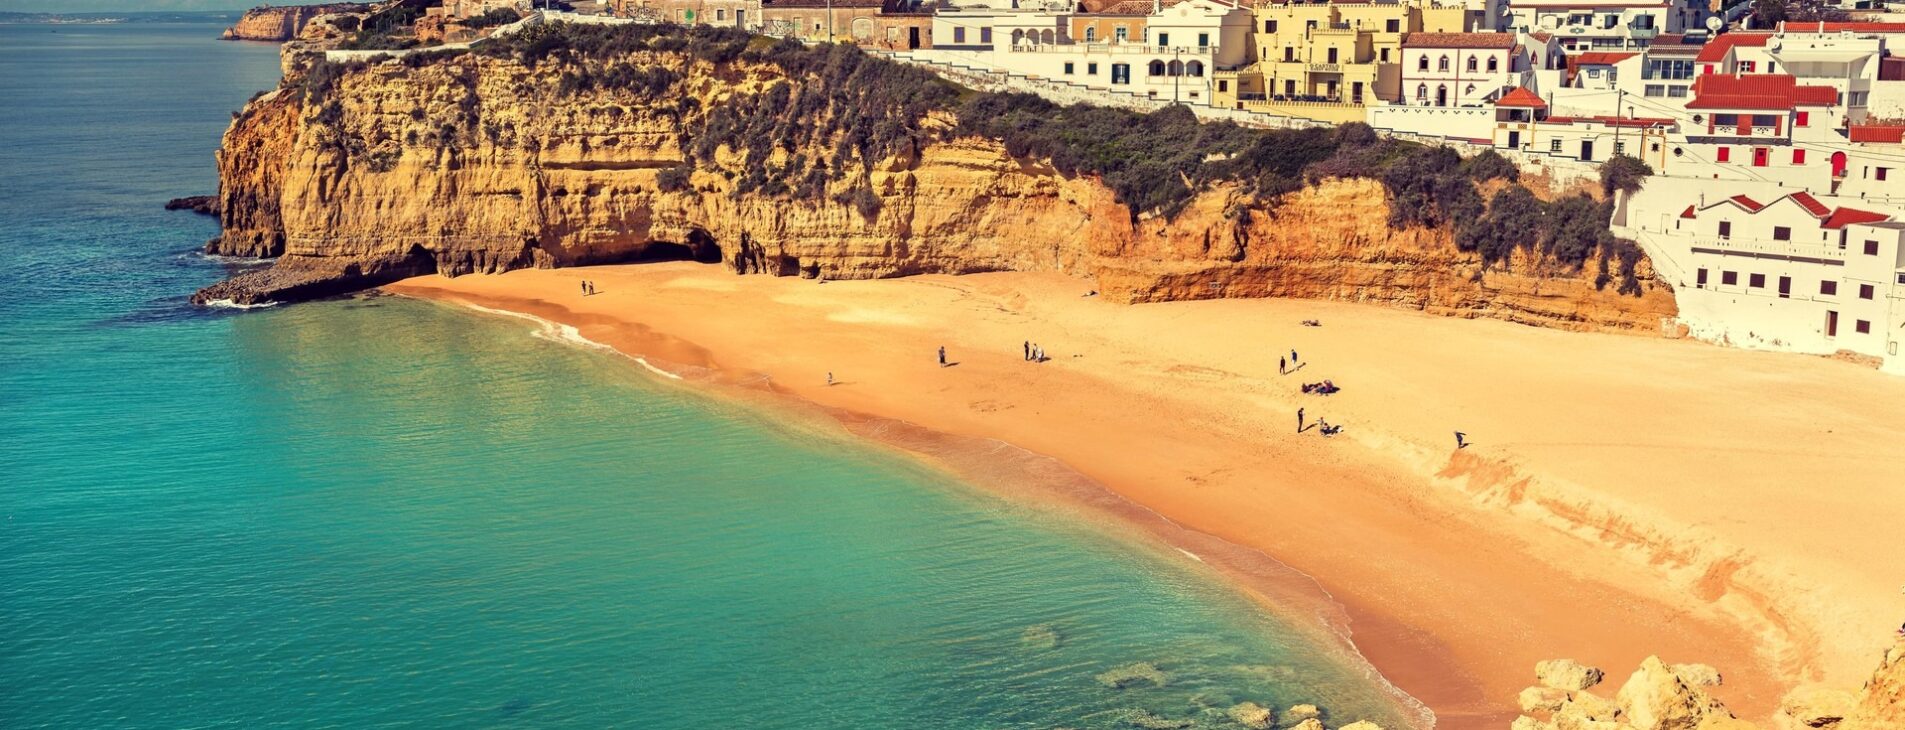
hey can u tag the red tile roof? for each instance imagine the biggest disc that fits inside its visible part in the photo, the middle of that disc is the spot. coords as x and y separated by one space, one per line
1688 213
1459 40
1848 216
1757 92
1811 204
1872 133
1747 203
1602 58
1717 48
1522 97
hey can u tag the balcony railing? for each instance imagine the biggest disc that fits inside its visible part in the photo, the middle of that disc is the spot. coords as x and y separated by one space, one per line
1802 249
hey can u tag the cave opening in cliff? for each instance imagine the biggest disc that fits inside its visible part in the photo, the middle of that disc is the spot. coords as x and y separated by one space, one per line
705 249
654 251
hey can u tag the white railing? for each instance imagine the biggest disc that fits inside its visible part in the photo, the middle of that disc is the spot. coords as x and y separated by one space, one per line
1778 248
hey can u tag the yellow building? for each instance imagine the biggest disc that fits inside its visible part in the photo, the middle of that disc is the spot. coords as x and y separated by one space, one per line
1326 60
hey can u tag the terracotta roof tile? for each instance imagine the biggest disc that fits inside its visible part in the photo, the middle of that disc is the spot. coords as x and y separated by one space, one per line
1874 133
1521 97
1602 58
1758 92
1849 216
1829 27
1716 49
1811 204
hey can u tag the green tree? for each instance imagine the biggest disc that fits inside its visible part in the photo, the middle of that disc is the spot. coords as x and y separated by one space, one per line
1623 173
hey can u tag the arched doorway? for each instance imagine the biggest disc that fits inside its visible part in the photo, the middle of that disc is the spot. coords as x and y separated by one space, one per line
1441 95
1838 164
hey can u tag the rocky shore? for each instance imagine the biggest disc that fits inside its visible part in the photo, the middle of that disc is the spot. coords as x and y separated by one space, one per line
283 23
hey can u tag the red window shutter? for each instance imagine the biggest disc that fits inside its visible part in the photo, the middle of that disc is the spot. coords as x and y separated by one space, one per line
1801 121
1799 157
1726 153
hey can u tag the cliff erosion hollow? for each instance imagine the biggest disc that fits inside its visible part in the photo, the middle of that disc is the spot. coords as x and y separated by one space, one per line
576 145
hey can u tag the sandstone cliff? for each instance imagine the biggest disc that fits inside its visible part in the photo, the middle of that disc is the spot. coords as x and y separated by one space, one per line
267 23
481 163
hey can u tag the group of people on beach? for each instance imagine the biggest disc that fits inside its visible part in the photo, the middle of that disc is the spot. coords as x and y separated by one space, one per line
1327 387
588 287
1034 353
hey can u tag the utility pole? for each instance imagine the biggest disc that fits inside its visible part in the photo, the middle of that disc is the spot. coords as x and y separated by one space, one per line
829 21
1619 96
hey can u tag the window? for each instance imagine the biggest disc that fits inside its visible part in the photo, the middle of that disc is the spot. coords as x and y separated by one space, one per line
1757 281
1156 68
1422 95
1829 288
1676 92
1765 120
1862 327
1494 64
1746 67
959 35
1700 278
1726 229
985 36
1392 26
1442 65
1656 90
1871 248
1726 120
1422 64
1332 55
1801 118
1091 34
1164 39
1881 172
1091 69
1901 278
1724 154
1782 233
1620 147
1729 278
1289 54
1554 145
1069 68
1472 65
1385 55
1121 34
1785 287
1269 26
720 14
1121 73
1865 291
1203 40
1799 157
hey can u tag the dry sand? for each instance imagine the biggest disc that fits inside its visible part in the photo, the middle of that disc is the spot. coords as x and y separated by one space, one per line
1624 495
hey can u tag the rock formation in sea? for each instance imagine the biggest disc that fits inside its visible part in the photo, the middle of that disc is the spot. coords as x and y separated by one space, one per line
200 204
283 23
669 143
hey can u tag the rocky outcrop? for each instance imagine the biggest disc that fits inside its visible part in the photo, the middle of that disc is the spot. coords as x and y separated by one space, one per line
478 163
1882 701
277 24
200 204
1656 697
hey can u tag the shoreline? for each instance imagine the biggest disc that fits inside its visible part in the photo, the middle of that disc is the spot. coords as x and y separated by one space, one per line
1396 515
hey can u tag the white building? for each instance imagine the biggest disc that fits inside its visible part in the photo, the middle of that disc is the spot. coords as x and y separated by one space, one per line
1461 69
1774 268
1603 24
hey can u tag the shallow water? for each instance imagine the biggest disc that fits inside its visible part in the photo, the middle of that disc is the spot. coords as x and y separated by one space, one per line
380 512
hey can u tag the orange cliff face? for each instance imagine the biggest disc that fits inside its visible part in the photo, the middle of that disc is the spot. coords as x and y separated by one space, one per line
477 164
277 24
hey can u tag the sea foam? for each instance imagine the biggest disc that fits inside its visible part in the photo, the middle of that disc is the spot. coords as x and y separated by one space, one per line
569 335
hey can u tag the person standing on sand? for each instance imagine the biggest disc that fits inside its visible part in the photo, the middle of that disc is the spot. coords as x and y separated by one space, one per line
1461 440
1028 350
942 356
1294 359
1283 366
829 378
1299 420
585 287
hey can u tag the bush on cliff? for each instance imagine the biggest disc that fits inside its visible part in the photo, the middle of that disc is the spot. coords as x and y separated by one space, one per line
1623 173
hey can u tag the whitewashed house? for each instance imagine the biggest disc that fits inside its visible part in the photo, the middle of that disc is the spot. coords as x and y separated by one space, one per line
1461 69
1603 24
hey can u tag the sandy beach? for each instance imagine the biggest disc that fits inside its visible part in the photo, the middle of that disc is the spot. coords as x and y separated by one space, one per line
1623 496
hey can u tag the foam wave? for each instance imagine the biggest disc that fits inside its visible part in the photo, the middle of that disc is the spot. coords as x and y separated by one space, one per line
568 335
230 304
229 260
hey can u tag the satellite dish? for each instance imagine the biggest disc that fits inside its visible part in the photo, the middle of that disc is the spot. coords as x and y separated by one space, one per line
1714 23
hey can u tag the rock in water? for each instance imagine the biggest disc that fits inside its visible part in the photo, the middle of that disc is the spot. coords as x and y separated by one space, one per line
1655 698
1042 636
1143 719
1362 725
1566 674
200 204
1299 713
1310 724
1133 674
1251 715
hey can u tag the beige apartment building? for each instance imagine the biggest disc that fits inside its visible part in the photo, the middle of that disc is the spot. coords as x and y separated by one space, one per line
1326 60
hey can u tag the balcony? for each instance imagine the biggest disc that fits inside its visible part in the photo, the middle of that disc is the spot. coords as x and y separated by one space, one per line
1641 34
1763 248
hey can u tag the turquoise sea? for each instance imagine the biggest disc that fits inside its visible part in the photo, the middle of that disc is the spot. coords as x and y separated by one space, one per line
378 512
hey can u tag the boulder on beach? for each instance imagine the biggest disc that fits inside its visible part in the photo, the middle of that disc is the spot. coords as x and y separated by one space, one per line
1541 699
1818 707
1131 675
1310 724
1566 674
1361 725
1655 698
1585 710
1702 675
1299 713
1251 715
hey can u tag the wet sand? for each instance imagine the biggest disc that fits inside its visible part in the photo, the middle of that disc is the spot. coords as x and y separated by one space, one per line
1624 495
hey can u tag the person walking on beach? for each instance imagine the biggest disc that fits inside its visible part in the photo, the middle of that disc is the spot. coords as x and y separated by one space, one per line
1299 420
1294 359
829 378
1461 440
942 356
1283 366
1028 350
585 287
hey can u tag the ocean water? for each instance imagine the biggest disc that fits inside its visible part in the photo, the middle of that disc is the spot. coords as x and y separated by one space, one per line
378 512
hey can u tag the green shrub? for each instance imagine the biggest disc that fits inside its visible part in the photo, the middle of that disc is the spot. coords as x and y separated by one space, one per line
1623 173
